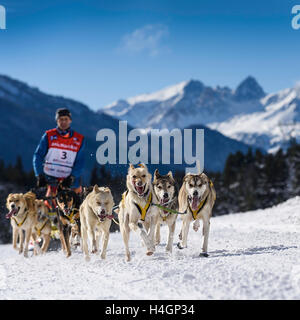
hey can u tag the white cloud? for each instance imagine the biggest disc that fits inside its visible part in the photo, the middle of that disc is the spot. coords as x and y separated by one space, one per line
147 39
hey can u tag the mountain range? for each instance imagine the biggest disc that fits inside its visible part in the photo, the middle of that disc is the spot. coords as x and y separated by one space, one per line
245 113
26 112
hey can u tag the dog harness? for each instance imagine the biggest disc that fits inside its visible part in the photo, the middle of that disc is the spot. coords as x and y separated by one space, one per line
123 198
61 153
165 217
72 215
195 212
38 231
201 204
19 224
142 210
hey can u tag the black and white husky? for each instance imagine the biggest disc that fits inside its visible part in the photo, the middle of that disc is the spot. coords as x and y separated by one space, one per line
166 192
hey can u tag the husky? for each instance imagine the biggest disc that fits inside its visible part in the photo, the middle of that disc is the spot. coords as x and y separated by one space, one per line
136 212
42 227
165 189
68 203
95 217
22 215
196 197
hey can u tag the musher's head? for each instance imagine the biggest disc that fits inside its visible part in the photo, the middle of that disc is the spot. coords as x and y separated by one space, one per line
63 118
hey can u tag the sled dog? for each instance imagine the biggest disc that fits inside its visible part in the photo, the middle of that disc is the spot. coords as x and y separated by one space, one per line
135 210
42 226
197 196
165 189
22 217
68 203
95 217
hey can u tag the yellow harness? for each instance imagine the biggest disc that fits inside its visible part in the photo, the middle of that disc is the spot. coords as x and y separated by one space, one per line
123 198
19 224
195 212
72 216
201 204
142 210
39 230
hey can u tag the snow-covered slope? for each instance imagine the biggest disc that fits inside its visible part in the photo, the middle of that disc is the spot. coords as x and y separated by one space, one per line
253 255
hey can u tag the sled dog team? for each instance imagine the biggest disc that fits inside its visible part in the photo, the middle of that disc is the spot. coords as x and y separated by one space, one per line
145 205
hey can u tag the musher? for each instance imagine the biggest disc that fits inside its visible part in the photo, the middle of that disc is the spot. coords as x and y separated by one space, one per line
60 156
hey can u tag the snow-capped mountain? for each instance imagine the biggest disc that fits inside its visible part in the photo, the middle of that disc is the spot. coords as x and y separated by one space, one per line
271 128
246 113
188 103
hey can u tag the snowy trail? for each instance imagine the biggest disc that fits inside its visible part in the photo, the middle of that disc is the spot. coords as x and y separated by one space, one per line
253 255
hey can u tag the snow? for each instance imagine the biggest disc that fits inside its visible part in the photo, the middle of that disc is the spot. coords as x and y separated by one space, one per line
268 128
268 122
253 255
161 95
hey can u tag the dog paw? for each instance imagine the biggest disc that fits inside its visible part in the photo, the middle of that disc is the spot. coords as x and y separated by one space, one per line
169 250
179 246
94 251
204 254
103 256
149 253
87 258
127 257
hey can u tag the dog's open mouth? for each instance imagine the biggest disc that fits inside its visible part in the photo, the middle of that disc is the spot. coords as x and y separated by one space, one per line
139 189
194 201
102 217
67 212
12 212
163 202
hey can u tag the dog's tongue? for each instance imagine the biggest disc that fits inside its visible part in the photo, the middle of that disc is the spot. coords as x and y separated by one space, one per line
195 203
139 189
11 213
164 200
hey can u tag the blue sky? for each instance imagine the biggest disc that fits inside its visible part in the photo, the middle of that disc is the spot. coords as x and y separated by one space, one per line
100 51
